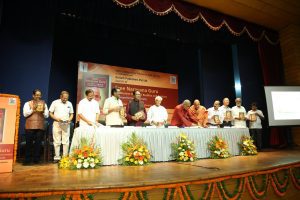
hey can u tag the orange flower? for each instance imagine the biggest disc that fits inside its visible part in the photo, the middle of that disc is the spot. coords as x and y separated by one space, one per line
189 154
85 154
85 148
221 145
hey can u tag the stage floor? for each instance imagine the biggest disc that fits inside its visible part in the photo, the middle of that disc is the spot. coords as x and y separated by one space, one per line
47 177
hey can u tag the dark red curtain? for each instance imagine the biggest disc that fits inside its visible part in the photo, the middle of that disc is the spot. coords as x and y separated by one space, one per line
272 68
214 20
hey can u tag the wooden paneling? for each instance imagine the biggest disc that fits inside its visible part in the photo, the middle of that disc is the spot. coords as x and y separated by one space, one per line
290 48
269 13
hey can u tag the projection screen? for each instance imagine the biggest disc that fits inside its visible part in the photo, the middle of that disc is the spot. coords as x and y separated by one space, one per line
283 103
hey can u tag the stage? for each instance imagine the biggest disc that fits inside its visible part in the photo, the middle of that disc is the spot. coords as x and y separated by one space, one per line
270 174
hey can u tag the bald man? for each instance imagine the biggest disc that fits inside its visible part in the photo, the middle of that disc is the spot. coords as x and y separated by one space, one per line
182 117
227 113
199 112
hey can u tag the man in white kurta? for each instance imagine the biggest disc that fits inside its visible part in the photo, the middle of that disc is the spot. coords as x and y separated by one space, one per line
215 115
113 109
157 114
61 111
227 113
239 114
255 128
88 110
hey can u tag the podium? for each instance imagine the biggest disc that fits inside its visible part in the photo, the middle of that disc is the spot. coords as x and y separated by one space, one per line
9 126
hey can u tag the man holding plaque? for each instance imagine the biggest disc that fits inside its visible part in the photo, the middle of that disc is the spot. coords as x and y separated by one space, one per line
215 115
88 110
182 117
255 116
199 112
157 114
239 114
61 111
35 112
227 113
113 109
135 110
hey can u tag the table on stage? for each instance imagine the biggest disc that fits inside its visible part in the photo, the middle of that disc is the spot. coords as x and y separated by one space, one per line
158 140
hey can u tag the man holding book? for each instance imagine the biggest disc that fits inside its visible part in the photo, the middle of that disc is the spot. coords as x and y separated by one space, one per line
239 114
255 128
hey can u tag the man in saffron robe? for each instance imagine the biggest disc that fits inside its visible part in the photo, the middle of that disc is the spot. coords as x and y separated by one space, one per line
199 112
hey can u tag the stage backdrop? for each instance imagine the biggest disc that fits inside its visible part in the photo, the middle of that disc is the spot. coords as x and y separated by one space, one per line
102 78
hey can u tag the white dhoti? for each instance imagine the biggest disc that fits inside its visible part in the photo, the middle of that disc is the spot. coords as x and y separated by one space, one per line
61 134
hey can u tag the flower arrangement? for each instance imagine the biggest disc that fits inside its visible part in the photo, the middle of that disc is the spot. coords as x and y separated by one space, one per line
183 150
218 148
86 156
247 146
135 152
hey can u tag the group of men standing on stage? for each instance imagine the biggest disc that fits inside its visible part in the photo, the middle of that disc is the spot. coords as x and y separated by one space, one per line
36 111
186 115
61 111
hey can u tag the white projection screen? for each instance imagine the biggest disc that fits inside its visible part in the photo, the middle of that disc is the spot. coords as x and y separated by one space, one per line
283 103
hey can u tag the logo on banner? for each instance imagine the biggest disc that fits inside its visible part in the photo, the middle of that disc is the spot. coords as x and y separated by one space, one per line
173 80
12 101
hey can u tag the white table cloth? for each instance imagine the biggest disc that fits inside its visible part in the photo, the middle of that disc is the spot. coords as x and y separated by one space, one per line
158 140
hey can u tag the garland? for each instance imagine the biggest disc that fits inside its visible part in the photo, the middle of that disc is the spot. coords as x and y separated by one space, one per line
295 177
140 195
252 187
238 190
255 190
182 190
81 196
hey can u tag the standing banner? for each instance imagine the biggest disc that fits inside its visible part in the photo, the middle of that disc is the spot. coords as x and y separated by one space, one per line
102 78
9 126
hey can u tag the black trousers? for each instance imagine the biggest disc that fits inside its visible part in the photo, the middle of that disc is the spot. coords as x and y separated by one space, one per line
33 145
256 135
226 123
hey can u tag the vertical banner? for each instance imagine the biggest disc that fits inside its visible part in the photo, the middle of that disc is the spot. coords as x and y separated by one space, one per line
9 108
101 78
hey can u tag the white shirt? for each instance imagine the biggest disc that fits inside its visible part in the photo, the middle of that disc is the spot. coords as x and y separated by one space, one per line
88 109
212 112
28 111
257 123
112 118
61 110
157 114
236 113
223 109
